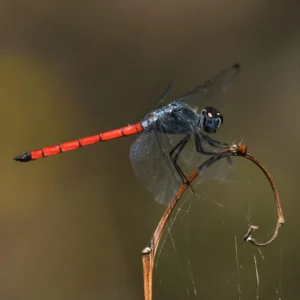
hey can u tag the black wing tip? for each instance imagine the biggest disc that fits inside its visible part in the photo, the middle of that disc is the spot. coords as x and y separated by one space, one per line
236 66
26 157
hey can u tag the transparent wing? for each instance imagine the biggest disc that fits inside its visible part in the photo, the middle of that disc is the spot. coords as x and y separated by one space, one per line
150 159
165 95
190 159
211 87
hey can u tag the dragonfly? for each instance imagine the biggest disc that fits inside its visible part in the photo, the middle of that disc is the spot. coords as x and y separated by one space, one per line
164 135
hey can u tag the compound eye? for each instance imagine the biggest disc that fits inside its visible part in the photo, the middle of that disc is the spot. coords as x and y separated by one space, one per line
220 122
221 119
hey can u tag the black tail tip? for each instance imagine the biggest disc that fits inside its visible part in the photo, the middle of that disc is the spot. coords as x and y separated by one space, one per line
23 157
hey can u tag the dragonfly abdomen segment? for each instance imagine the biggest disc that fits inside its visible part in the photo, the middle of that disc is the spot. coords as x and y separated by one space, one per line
72 145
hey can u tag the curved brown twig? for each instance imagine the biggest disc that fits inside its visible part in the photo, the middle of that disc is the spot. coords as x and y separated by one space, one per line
242 151
236 149
148 254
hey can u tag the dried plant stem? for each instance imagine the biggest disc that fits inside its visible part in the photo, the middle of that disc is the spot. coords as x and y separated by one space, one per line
148 254
280 219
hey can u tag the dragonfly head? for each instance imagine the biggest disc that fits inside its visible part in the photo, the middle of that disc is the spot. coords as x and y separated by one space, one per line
212 119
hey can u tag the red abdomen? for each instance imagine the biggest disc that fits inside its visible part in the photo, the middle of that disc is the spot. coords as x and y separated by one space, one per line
59 148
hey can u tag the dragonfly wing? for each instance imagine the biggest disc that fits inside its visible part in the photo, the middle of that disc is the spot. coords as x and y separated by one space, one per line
219 171
150 159
190 159
211 87
165 95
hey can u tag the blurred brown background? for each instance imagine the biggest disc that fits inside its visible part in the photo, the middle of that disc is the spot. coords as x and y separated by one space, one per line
73 226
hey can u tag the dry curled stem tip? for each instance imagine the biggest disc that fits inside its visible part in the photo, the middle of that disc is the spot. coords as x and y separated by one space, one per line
240 149
236 149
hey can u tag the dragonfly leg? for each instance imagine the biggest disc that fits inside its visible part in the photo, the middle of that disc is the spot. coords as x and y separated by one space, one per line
178 148
214 143
211 142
